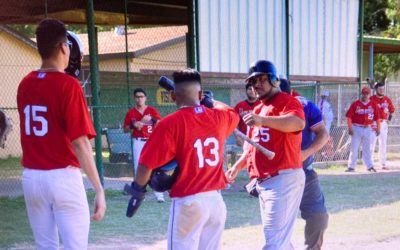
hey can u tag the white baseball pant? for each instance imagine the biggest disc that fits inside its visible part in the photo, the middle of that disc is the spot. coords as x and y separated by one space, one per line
56 202
279 199
197 222
382 138
138 144
361 135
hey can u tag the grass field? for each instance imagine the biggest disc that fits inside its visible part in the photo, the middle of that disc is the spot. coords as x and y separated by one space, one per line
364 214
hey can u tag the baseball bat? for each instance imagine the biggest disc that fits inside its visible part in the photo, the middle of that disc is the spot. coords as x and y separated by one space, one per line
269 154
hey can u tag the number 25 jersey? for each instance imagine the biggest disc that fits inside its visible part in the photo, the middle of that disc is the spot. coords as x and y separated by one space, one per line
194 137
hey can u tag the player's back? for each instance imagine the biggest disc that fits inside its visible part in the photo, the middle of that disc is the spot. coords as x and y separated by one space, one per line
199 135
49 105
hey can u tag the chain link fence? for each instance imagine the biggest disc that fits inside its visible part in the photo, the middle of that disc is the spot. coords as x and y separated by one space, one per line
137 59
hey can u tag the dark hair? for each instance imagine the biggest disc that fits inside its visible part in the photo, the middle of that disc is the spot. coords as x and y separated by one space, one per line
186 75
49 33
248 85
139 90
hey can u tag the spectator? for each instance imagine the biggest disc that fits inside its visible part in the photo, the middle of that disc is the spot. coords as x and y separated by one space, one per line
326 110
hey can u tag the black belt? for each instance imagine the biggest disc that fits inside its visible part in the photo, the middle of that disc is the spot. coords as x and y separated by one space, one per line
140 139
269 176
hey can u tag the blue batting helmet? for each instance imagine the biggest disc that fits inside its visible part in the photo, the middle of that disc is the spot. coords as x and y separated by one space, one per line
263 67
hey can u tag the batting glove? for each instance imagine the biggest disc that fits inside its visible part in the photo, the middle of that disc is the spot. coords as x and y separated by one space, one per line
138 193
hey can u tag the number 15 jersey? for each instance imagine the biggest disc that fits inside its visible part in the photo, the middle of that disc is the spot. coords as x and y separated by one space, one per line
53 113
194 137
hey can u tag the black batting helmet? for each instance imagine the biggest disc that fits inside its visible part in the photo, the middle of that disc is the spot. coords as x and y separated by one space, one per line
162 179
263 67
75 55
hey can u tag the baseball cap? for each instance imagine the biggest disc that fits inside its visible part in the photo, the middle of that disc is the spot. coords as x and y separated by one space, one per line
365 91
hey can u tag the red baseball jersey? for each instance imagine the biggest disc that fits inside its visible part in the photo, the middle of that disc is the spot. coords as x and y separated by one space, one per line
194 137
53 113
243 108
287 146
363 113
134 115
385 105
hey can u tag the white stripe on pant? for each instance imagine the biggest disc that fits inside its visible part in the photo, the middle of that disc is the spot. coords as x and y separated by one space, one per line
196 222
382 138
56 203
279 199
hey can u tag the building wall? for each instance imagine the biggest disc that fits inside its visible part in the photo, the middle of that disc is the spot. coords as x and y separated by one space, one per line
16 60
322 34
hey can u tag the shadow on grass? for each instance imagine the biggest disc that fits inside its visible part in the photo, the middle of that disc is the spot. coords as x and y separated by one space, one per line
150 224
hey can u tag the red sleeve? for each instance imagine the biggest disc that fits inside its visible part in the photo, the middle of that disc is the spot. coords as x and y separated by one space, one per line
77 119
391 106
350 112
377 113
294 107
155 114
160 148
127 121
231 119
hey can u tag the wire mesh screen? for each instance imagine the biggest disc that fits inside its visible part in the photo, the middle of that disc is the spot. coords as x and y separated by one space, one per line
136 59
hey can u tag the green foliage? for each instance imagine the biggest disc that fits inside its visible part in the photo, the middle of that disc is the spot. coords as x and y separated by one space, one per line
375 18
382 18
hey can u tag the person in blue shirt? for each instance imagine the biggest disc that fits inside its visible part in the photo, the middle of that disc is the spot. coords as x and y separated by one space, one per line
312 206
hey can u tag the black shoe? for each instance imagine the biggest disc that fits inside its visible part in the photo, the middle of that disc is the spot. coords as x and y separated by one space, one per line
127 189
349 170
373 170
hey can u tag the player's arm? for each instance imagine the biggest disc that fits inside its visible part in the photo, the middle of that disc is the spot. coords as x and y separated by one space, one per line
321 138
285 123
83 150
350 125
231 173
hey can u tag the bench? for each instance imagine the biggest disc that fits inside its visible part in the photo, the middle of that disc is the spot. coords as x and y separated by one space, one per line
119 145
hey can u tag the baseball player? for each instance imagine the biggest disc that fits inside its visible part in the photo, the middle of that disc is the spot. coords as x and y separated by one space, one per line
387 109
194 136
326 110
360 116
140 122
312 206
55 129
244 107
275 124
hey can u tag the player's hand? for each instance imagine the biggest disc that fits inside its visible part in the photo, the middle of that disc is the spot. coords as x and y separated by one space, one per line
378 133
138 194
350 131
231 174
253 120
146 118
100 206
138 125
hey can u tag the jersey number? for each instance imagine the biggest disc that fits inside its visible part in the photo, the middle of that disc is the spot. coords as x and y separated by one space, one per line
261 134
211 142
34 109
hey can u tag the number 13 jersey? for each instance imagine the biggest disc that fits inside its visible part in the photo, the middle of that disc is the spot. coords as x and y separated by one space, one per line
194 137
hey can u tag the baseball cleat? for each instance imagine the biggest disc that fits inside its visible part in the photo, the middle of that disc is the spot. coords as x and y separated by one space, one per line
350 170
373 170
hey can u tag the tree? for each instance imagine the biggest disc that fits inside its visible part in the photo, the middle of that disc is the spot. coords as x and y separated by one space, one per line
382 17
